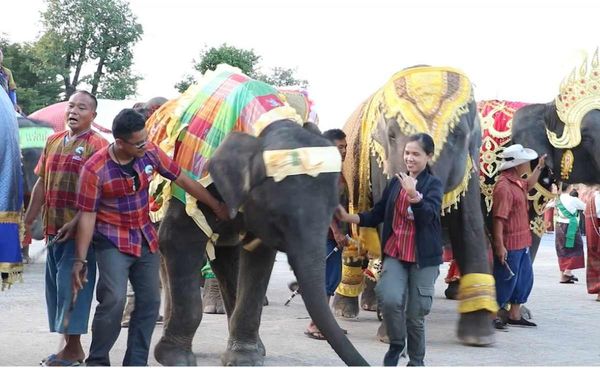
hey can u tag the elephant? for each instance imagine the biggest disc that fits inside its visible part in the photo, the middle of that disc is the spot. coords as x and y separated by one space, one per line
274 212
280 213
438 101
32 135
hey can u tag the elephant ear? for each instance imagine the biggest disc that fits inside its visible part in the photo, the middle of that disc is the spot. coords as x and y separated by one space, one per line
235 167
312 127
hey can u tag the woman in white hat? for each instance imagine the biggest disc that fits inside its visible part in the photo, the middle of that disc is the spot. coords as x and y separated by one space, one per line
512 237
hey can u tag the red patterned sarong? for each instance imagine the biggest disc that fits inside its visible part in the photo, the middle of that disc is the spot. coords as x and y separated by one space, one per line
593 246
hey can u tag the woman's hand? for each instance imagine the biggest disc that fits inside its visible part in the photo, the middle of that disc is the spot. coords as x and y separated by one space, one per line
409 184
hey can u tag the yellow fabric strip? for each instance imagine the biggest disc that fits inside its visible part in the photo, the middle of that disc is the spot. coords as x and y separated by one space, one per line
308 160
477 291
352 281
10 217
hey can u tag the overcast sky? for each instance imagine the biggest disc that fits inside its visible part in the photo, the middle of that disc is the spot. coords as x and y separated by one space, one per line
515 50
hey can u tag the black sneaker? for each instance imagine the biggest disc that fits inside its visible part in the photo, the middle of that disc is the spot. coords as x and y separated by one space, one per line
499 325
520 323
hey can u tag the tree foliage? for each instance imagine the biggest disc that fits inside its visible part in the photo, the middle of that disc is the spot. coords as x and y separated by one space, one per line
248 62
36 86
91 42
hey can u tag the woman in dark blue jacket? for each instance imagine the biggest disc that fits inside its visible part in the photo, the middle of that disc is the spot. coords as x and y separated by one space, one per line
411 241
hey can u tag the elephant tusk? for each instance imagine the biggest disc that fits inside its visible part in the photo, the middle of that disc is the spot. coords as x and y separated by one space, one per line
252 245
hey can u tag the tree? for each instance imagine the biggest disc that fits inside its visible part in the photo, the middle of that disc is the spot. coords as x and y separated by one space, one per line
246 60
37 87
91 34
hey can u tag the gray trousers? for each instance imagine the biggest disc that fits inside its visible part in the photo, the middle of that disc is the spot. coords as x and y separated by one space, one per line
405 294
114 269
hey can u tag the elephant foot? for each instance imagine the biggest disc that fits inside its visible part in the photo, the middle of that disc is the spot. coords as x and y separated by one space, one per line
170 354
476 328
211 298
368 299
452 290
242 357
382 334
345 306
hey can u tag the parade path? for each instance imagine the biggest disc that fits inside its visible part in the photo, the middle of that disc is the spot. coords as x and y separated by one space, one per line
568 329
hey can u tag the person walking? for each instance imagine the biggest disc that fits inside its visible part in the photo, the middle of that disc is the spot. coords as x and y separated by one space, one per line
114 203
567 239
410 209
592 224
511 235
58 169
336 237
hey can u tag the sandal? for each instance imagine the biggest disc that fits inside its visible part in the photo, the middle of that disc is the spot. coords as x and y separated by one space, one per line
54 361
567 281
317 335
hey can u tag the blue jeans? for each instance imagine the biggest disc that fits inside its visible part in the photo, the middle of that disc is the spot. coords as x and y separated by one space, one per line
333 268
114 269
59 264
516 289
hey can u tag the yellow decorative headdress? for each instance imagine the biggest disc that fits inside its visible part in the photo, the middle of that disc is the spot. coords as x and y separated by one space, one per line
579 94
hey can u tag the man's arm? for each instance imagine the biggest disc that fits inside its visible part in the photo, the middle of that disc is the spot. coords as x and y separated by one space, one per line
499 248
35 203
85 231
202 194
535 174
340 238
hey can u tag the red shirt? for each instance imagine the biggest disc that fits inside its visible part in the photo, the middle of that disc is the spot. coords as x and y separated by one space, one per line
511 206
122 208
401 244
58 169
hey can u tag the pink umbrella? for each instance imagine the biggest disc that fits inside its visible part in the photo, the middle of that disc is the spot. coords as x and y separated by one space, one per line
107 110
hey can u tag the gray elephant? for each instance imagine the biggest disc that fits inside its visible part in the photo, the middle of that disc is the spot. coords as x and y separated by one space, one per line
285 177
291 215
438 101
33 135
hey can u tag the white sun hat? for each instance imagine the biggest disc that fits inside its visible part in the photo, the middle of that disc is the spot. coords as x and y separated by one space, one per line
515 155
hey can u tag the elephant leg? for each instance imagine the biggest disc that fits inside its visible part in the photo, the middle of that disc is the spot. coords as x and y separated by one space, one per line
345 301
535 245
368 299
182 244
244 346
211 297
471 251
225 267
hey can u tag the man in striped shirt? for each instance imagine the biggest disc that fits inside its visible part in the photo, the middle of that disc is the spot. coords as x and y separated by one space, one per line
56 189
114 201
512 238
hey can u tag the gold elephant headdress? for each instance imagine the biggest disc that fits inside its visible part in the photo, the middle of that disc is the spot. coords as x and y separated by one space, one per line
579 94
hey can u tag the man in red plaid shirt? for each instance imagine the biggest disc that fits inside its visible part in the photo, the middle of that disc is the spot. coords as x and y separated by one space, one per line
114 203
56 191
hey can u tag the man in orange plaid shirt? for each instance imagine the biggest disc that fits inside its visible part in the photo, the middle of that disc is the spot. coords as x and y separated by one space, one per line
114 201
56 189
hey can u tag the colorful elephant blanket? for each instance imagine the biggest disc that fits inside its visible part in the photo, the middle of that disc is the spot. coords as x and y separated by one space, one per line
191 127
11 194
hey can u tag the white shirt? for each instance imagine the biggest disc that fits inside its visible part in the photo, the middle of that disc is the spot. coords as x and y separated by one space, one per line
572 204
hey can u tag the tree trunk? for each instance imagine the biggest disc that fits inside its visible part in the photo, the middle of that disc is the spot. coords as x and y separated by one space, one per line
97 76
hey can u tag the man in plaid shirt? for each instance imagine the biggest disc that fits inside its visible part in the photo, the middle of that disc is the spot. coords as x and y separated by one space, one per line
56 189
114 203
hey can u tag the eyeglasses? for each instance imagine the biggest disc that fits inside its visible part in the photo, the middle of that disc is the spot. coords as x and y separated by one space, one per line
137 145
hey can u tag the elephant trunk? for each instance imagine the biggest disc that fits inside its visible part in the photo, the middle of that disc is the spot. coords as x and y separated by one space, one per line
311 279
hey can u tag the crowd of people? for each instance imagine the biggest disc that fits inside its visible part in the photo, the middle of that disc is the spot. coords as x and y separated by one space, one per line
94 198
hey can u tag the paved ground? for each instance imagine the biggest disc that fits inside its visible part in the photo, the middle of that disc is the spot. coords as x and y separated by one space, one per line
568 332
